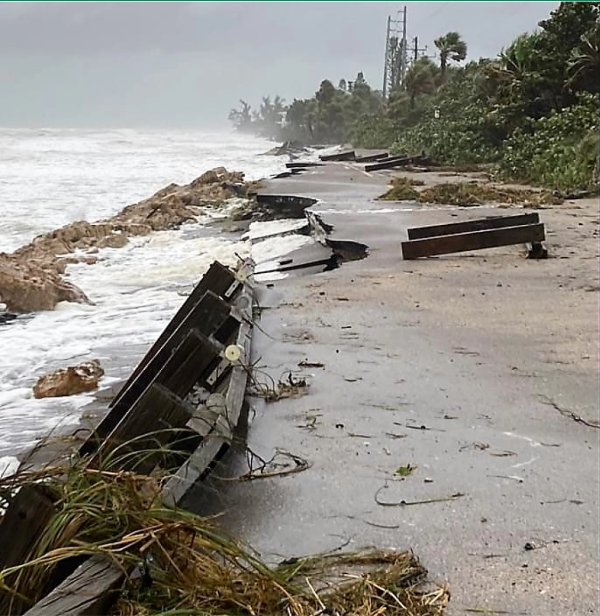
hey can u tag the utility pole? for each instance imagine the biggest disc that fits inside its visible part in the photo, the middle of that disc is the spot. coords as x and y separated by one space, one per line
403 48
418 50
385 62
396 57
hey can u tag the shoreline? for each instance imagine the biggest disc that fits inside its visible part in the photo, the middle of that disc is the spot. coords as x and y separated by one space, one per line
441 364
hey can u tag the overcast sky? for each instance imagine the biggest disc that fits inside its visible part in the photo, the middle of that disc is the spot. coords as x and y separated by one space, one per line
182 64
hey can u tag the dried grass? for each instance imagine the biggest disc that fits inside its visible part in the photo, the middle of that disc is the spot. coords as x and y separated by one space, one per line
189 566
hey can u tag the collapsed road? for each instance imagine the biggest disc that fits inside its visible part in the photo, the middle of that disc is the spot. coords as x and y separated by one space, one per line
450 406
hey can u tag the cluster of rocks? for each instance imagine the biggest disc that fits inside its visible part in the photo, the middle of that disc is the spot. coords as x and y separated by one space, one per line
31 277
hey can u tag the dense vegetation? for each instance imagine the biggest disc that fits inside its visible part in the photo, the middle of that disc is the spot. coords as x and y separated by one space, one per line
532 111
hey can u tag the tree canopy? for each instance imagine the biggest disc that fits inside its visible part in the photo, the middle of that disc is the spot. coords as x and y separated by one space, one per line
532 110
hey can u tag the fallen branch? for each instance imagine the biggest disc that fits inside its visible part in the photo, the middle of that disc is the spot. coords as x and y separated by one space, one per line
569 414
300 465
405 503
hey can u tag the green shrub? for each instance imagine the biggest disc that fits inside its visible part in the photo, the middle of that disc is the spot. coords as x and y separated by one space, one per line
562 150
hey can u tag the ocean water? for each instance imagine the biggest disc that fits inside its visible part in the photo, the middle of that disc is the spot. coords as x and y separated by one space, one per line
52 177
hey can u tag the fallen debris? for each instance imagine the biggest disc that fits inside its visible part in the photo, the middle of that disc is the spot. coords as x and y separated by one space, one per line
402 190
476 235
287 387
405 503
569 414
474 193
310 364
405 471
167 560
272 468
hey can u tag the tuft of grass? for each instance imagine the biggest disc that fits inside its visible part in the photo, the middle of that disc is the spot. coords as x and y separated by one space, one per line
472 193
189 566
402 190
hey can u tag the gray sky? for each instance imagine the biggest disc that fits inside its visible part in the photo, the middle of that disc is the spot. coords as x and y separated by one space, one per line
186 64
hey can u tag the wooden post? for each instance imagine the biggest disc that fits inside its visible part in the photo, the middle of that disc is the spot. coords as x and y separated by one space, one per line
396 161
340 156
88 591
25 519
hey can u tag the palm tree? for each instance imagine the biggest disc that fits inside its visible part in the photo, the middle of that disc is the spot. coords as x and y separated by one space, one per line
420 79
585 61
451 47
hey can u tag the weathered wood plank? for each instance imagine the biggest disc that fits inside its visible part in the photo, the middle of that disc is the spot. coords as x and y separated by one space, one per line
396 161
340 156
369 158
137 442
206 316
495 222
185 366
218 436
26 517
217 279
88 591
463 242
299 164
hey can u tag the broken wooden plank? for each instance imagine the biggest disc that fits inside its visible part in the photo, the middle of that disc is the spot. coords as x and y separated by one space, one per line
340 156
396 161
88 591
217 279
477 240
137 442
369 158
291 206
218 435
25 519
494 222
207 316
195 356
298 164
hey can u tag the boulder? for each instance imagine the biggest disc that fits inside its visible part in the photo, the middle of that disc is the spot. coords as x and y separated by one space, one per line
69 381
30 278
27 287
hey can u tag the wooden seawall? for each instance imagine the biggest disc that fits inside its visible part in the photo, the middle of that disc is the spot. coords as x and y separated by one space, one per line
174 416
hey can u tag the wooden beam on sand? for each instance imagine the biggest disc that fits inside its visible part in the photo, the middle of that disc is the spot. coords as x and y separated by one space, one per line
340 156
88 591
369 158
477 240
397 161
481 224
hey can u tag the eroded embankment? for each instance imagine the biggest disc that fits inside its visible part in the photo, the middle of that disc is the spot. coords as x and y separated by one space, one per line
31 278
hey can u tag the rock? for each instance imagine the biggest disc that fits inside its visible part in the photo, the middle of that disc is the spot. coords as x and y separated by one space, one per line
7 317
27 287
288 148
69 381
30 278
